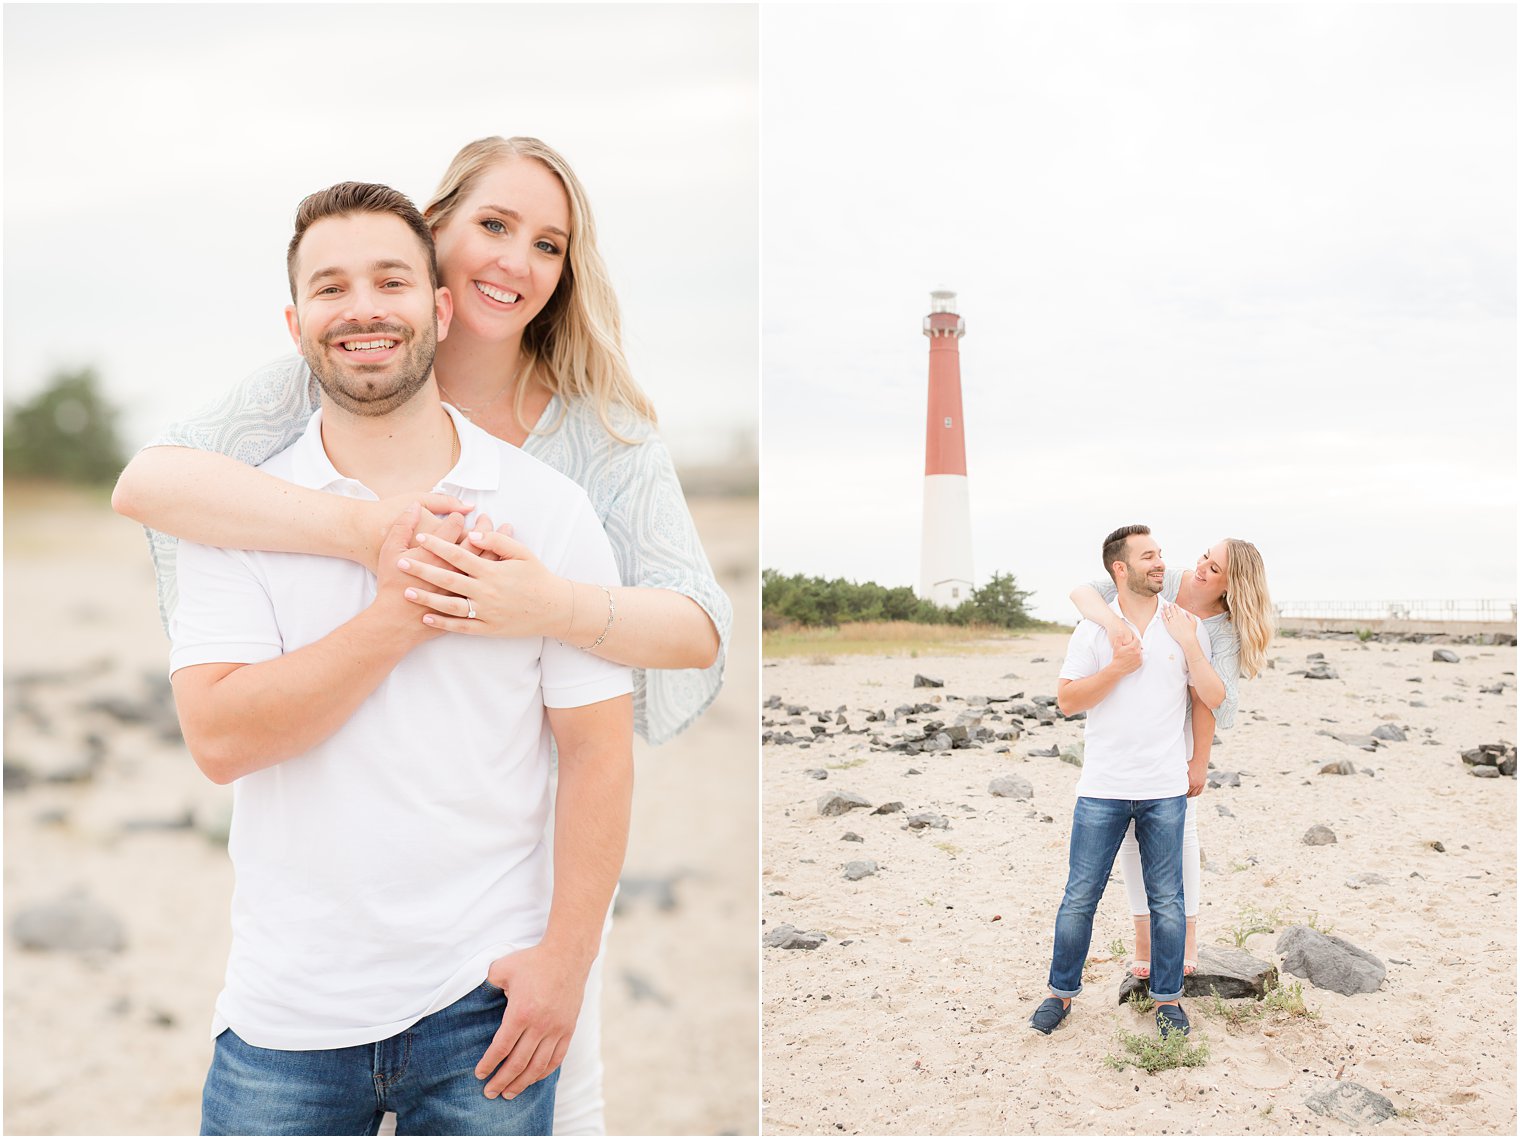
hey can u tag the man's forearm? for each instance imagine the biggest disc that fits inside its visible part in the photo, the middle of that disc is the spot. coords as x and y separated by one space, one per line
1073 696
258 715
591 813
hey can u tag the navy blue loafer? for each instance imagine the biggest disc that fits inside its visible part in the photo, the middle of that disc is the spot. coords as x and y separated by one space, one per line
1170 1019
1050 1014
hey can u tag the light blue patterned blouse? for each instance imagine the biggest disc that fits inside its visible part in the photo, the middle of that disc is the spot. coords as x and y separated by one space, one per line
633 489
1224 646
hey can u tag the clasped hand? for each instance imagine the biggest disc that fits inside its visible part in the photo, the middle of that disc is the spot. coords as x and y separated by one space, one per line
511 593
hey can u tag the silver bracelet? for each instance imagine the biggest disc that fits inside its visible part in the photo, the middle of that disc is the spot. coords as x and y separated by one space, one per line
611 610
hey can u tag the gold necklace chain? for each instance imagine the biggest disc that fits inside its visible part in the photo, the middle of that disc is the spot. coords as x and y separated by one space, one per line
471 412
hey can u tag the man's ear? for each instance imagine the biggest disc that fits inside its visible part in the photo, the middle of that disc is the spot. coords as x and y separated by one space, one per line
293 322
443 306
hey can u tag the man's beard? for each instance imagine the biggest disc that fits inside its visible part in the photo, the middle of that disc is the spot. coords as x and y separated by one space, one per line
373 389
1139 582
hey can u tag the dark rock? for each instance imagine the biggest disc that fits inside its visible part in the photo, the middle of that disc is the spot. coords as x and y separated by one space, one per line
914 771
1445 656
790 937
1389 732
850 836
659 889
1074 754
840 802
922 681
1223 810
1224 779
1329 962
1339 767
888 808
75 924
1044 752
1133 986
1230 973
1010 787
184 821
925 819
1486 772
18 777
855 871
1321 672
816 773
1318 835
773 701
1353 1104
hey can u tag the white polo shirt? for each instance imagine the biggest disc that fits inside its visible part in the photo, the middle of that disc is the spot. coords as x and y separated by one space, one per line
380 873
1136 741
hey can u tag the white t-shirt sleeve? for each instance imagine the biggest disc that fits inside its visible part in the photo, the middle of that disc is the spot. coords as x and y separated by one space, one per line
572 677
1081 653
225 614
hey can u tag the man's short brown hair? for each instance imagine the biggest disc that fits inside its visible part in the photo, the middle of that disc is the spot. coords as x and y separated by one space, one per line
349 198
1113 546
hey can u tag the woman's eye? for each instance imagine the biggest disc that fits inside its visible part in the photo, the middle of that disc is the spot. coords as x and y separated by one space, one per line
494 225
547 247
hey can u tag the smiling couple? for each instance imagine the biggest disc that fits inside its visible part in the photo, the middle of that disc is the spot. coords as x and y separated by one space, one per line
1135 769
400 940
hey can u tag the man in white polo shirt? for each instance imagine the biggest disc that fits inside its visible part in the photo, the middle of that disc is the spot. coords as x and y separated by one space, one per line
392 783
1134 767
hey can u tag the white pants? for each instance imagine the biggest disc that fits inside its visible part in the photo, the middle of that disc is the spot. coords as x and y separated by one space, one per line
1134 882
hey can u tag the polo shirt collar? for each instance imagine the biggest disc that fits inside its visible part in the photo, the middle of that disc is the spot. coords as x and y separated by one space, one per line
1114 605
478 468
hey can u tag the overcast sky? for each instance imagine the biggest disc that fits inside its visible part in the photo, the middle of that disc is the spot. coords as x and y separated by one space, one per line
154 156
1231 270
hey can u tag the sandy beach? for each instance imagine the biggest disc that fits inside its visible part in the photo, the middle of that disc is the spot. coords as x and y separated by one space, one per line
103 805
912 1016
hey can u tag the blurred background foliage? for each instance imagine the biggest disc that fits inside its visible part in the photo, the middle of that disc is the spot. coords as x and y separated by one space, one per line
65 433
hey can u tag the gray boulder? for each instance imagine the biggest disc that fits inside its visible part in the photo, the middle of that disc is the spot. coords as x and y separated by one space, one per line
1230 973
1319 835
855 871
888 808
1339 767
816 773
75 925
1010 787
1329 962
1353 1104
922 681
1445 656
1486 772
1321 671
790 937
1224 779
840 802
1389 732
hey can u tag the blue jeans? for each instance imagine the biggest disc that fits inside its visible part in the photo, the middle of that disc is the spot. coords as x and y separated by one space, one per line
426 1075
1098 827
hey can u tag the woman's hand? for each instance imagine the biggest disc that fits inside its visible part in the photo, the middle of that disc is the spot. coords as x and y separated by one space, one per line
1180 624
510 590
1119 635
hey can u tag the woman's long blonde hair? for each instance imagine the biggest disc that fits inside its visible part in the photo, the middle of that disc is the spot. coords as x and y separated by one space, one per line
578 335
1249 605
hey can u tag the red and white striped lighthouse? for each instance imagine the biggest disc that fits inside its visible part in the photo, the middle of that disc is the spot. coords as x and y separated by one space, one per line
945 571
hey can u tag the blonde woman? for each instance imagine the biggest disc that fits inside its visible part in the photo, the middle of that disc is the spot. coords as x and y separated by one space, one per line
534 356
1227 590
